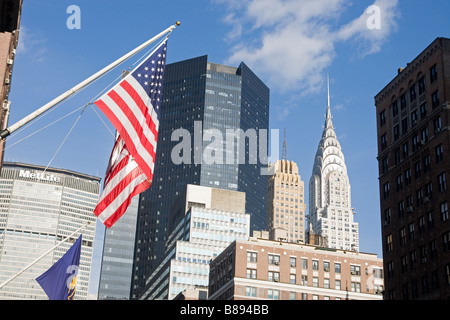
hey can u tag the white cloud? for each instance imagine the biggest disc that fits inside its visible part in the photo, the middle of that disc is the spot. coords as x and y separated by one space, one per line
32 43
293 41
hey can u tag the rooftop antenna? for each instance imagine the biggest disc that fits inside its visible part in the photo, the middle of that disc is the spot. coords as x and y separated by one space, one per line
284 156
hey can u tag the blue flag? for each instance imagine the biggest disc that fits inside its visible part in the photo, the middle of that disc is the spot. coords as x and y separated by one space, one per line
59 281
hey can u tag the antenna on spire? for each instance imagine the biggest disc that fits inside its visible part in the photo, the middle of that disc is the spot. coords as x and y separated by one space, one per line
284 156
328 87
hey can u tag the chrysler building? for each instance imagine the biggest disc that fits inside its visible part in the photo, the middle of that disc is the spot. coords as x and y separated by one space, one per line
330 210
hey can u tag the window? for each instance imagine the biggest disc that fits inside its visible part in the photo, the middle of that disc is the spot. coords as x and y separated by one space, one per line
417 170
315 282
251 274
399 182
447 273
396 132
439 153
389 245
421 222
413 259
412 93
395 108
250 291
407 176
304 264
292 279
430 220
403 101
326 266
315 265
387 216
355 270
337 284
411 231
384 165
404 125
252 256
273 276
414 118
382 118
402 236
337 267
386 190
442 184
426 163
446 241
423 110
293 261
274 259
273 294
433 73
404 264
416 142
419 197
428 191
405 150
435 99
383 142
304 281
444 211
326 283
390 269
421 85
401 208
397 156
424 134
356 287
437 125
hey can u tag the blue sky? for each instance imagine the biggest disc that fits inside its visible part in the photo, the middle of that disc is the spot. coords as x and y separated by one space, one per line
291 45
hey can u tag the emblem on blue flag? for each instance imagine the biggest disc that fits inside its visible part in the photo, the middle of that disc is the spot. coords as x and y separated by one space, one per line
59 281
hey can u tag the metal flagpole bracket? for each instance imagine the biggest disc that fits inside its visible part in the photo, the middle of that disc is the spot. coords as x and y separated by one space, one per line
6 132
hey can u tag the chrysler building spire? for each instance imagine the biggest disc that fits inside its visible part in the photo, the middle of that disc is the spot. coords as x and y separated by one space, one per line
330 211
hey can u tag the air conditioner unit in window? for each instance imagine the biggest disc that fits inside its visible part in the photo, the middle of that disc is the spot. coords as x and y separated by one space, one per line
10 62
7 81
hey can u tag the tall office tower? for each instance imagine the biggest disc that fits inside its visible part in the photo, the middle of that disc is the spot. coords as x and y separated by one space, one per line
330 210
204 222
10 11
39 207
204 105
117 258
413 154
286 206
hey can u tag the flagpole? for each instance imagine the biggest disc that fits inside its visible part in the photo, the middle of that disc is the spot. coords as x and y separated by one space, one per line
5 133
42 256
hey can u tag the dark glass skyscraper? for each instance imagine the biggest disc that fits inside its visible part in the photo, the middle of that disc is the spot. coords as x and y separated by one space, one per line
205 107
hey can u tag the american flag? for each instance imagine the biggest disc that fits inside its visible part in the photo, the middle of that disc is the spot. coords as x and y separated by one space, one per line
133 107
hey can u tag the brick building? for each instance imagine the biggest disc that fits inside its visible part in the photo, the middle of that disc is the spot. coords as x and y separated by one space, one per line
9 38
413 155
262 269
